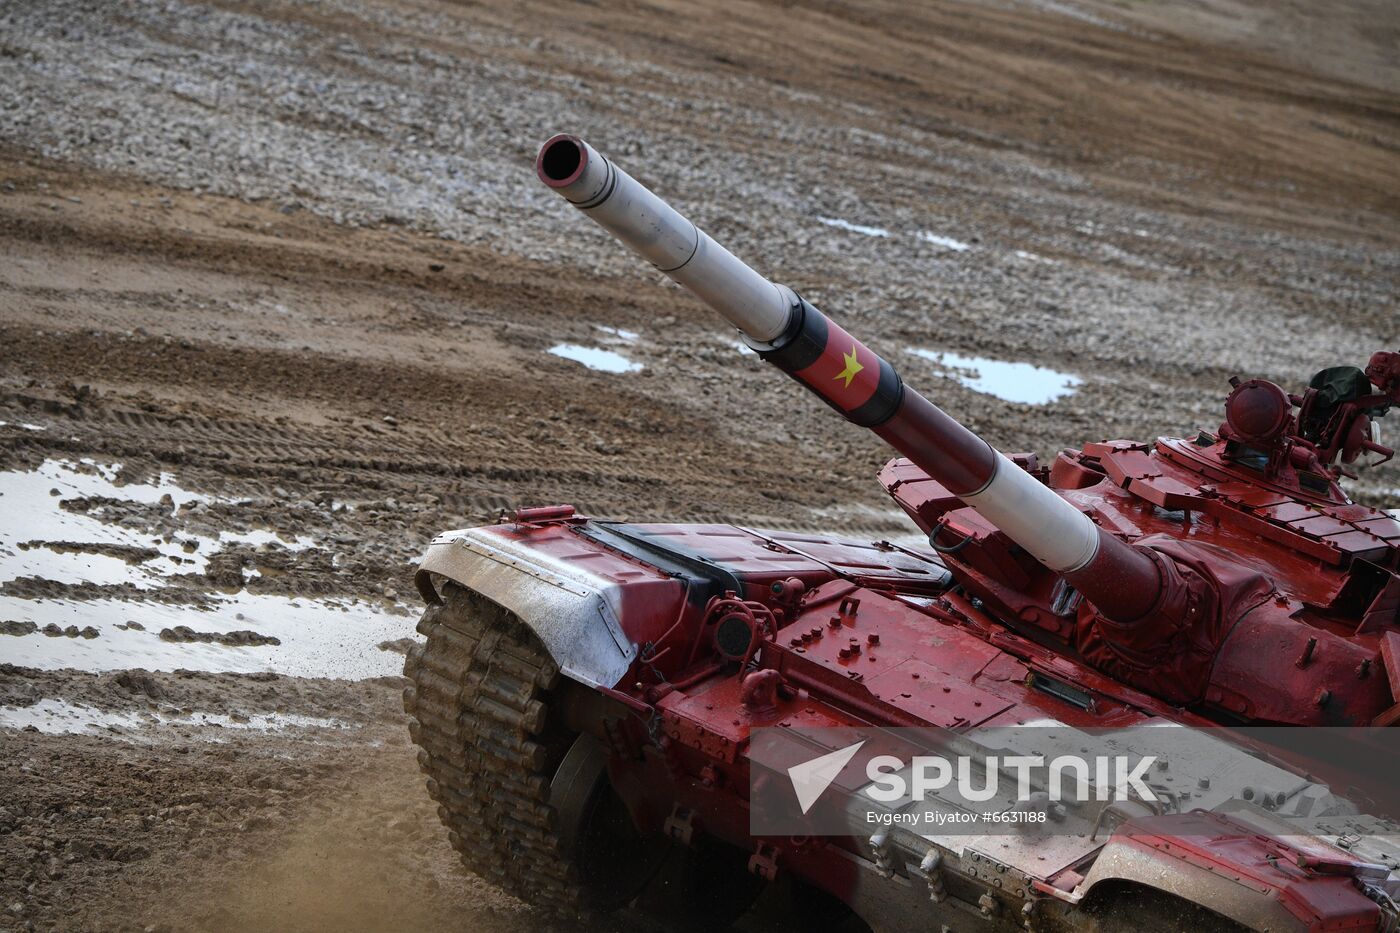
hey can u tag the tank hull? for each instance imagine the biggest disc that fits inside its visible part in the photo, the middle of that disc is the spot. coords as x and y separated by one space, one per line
677 725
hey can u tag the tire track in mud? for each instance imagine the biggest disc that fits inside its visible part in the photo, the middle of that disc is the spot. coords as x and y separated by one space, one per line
263 455
470 479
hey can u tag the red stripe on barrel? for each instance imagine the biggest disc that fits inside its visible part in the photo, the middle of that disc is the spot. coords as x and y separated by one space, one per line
846 374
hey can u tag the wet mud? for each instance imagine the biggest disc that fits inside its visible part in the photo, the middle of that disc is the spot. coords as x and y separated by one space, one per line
280 299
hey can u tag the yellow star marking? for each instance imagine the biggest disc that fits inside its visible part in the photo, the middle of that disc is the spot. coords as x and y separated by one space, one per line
853 366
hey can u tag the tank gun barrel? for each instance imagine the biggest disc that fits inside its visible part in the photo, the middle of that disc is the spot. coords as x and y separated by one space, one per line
1123 581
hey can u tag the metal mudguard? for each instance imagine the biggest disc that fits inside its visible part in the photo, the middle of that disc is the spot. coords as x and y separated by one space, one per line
571 611
1196 882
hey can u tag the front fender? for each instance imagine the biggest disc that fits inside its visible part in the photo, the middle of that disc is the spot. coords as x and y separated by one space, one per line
573 611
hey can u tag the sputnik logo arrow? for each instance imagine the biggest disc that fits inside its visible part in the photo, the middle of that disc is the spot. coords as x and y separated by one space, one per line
811 778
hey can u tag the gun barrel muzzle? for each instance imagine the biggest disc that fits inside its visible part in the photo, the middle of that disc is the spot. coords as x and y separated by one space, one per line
665 238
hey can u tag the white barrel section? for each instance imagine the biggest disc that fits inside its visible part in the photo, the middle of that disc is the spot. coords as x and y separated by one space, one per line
1051 530
664 237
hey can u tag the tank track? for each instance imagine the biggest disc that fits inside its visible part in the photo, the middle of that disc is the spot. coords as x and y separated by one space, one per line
478 708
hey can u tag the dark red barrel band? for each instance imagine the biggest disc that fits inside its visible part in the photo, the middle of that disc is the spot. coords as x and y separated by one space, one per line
864 388
842 371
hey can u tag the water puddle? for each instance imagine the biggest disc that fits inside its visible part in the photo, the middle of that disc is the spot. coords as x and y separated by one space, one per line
39 538
957 246
59 717
25 425
1023 383
1073 12
319 638
605 361
618 334
853 228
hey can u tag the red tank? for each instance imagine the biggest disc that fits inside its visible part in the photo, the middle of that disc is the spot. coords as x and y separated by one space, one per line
590 692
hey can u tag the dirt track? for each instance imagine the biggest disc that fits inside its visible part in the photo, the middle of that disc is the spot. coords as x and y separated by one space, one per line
294 254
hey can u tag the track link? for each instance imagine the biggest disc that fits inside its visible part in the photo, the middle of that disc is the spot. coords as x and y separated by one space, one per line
479 707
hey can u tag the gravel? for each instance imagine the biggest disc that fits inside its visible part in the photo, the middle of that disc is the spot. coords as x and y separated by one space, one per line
344 109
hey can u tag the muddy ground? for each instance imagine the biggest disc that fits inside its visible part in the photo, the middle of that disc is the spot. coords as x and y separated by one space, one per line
293 255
